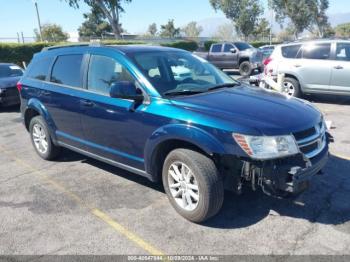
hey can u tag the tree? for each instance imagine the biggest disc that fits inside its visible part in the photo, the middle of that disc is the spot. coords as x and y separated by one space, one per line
263 28
169 30
192 30
299 13
343 30
225 32
320 24
244 13
51 33
152 29
94 24
110 8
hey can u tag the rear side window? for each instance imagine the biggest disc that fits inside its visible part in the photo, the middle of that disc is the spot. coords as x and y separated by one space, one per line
290 51
40 68
343 52
104 71
66 70
317 51
216 48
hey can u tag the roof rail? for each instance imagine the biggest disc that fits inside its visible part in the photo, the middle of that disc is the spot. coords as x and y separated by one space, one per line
71 45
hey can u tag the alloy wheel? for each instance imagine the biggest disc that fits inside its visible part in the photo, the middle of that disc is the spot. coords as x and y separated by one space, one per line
183 186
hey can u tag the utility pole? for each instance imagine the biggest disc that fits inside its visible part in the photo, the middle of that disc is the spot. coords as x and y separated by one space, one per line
38 17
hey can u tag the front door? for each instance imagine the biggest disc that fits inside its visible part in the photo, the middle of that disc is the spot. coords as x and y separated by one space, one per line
113 127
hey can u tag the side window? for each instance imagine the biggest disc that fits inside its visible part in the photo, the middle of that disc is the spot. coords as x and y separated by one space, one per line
103 71
67 70
40 68
317 51
227 48
343 52
290 51
216 48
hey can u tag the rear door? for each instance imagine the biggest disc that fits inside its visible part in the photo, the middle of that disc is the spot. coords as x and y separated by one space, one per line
229 58
340 79
215 55
314 68
64 89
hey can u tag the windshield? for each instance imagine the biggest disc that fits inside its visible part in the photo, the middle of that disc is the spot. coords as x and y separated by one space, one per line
242 46
10 71
178 71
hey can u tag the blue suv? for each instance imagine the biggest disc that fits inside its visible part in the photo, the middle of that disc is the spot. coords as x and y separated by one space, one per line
171 116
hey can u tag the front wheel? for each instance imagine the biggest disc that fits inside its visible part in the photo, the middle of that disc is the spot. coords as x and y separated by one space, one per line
193 184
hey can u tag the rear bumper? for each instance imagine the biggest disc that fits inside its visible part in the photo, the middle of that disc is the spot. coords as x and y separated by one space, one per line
9 96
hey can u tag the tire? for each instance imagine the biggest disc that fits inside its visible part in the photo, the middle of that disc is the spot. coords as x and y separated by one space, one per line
205 176
38 126
245 68
291 83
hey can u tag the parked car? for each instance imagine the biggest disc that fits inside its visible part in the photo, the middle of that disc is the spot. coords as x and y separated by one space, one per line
267 50
237 55
312 67
200 135
9 76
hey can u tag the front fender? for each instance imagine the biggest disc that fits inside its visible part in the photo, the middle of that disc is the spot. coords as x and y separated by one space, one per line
35 104
194 135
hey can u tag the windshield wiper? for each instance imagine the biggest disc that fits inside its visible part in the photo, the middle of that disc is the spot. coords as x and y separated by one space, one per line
183 92
223 86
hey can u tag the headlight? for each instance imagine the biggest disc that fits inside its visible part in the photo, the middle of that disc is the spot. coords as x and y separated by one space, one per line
267 147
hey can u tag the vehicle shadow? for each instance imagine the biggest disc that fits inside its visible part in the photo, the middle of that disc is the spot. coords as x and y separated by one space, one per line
324 202
10 109
329 99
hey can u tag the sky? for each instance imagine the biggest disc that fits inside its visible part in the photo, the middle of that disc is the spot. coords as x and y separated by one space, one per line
19 15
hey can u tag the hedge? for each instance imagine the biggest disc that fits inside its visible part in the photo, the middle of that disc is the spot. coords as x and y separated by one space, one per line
186 45
17 53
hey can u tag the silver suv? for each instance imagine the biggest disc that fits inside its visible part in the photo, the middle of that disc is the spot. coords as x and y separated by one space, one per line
318 66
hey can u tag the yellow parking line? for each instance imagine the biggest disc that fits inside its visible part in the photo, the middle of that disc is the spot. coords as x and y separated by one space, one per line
92 210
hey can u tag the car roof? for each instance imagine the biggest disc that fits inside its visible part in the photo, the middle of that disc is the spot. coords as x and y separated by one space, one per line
125 49
301 42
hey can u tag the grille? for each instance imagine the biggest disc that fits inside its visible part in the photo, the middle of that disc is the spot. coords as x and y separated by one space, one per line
311 141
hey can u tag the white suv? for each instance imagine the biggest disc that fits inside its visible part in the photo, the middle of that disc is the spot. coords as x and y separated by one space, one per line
319 66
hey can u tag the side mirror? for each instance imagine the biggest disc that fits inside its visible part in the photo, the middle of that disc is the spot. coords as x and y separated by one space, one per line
125 90
233 50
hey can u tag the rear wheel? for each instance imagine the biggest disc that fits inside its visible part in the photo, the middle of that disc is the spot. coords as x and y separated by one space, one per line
193 184
41 139
245 68
291 87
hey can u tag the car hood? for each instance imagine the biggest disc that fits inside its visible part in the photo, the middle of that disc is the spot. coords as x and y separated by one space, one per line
6 82
253 110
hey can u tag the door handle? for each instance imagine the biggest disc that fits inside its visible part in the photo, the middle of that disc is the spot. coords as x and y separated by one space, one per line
297 65
338 67
87 103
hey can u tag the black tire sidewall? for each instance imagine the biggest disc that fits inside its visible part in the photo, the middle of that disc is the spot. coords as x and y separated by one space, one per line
245 72
202 211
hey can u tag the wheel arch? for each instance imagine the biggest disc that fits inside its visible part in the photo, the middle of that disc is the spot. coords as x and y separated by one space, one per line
36 108
168 138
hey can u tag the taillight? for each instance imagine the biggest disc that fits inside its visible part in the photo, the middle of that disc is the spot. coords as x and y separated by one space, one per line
19 86
267 61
